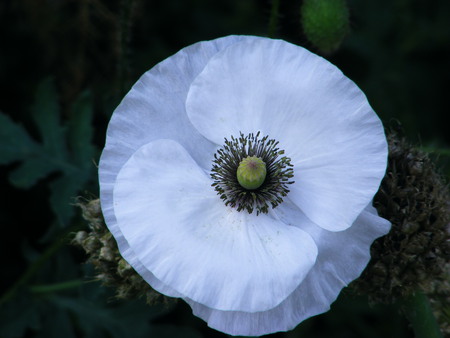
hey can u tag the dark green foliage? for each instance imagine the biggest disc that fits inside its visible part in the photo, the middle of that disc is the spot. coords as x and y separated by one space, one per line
88 315
65 150
96 319
398 52
19 316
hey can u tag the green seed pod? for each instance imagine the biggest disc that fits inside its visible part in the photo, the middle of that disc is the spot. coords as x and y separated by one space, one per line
325 23
251 172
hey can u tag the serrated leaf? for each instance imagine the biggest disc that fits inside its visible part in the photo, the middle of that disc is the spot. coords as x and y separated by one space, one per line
15 143
30 171
46 115
17 316
80 131
56 324
52 156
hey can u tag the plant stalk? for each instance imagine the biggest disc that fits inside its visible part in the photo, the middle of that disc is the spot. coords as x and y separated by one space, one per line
417 310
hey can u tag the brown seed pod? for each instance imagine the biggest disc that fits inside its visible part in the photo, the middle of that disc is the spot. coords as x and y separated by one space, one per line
414 254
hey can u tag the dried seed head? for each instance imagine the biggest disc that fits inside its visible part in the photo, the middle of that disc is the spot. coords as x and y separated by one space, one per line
415 198
112 270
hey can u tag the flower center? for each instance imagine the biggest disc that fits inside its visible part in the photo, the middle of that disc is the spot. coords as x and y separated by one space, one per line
251 173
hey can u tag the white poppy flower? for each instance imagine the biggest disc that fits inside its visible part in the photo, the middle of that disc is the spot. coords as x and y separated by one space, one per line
245 273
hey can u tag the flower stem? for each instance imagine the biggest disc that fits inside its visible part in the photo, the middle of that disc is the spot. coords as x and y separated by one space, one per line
124 37
438 151
418 311
273 21
50 288
33 268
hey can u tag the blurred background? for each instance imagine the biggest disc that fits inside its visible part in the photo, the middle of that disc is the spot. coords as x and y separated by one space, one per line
64 67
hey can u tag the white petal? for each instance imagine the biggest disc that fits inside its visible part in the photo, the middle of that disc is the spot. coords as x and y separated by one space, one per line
321 118
182 233
155 108
342 257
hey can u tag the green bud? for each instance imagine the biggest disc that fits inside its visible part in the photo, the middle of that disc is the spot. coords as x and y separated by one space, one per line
251 172
325 23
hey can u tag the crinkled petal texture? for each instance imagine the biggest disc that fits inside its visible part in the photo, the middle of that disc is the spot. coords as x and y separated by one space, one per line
342 257
321 119
155 109
242 273
182 232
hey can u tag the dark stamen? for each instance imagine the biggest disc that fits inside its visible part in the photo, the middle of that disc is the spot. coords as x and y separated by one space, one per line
274 188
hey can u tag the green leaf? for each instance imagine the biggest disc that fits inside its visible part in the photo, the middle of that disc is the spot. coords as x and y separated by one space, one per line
70 154
57 324
30 171
172 331
128 320
15 143
18 316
